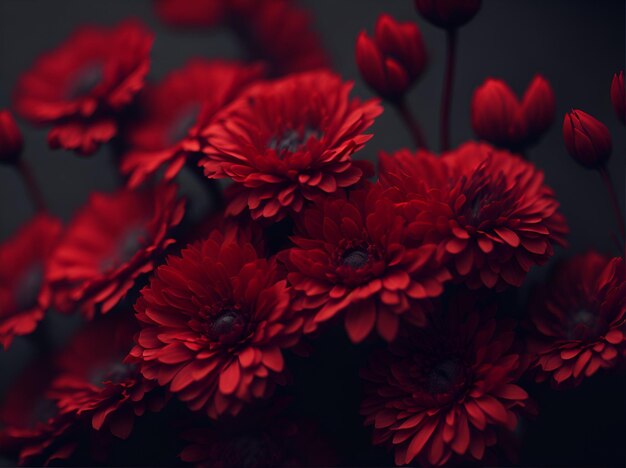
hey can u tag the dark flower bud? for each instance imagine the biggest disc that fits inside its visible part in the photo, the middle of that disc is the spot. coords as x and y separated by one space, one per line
393 59
587 139
538 108
448 14
617 96
10 138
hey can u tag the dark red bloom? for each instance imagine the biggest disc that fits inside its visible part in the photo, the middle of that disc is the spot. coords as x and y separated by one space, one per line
277 31
445 392
393 60
25 294
488 211
11 141
112 240
587 139
352 256
96 381
618 98
215 321
501 119
288 141
260 439
177 111
578 319
448 14
81 86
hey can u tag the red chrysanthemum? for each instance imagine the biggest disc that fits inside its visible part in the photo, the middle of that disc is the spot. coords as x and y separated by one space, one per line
352 256
79 87
25 295
177 111
215 320
579 319
260 439
447 390
277 31
487 209
109 243
286 141
31 429
96 381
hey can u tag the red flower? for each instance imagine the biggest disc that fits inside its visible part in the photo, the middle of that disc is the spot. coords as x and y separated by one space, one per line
79 87
289 140
109 243
394 59
274 30
352 256
260 439
499 118
579 319
618 99
445 391
215 321
11 141
448 14
25 294
96 381
587 139
488 211
177 111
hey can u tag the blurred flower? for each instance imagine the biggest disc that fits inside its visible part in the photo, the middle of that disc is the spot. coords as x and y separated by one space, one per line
176 112
394 59
288 140
488 211
444 393
81 86
352 256
96 381
578 319
214 323
25 294
617 96
195 13
448 14
587 139
499 118
111 241
11 141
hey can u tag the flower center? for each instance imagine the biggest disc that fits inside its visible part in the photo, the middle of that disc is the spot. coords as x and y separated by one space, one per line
583 324
127 246
115 372
355 258
445 376
28 287
227 326
86 80
291 140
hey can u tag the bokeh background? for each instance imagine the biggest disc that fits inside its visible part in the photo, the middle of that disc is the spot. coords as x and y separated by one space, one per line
576 45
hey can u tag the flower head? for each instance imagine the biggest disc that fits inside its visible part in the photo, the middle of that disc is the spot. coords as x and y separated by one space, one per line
578 319
618 98
214 323
587 139
445 391
448 14
25 293
177 111
81 86
112 240
284 142
501 119
393 59
11 141
488 211
352 256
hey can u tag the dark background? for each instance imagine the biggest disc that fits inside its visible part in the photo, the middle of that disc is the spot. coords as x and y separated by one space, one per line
576 45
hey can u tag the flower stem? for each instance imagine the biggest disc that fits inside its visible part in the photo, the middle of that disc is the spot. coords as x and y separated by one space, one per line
446 97
608 183
412 124
34 191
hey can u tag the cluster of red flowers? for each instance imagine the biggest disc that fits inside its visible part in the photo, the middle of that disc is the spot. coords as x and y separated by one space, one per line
410 255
